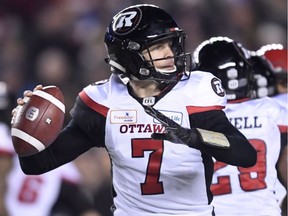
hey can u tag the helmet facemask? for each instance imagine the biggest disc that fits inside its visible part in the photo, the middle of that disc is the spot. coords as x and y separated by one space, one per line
148 70
236 79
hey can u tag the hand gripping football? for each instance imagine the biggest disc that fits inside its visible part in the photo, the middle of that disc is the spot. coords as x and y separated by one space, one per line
38 122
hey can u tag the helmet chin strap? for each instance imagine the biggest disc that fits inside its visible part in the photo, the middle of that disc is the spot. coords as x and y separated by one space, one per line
165 76
166 72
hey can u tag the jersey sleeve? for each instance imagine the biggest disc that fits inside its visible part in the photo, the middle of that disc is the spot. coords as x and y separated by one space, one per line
279 114
91 120
282 122
206 93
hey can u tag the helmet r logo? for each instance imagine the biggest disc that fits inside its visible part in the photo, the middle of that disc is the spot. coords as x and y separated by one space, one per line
217 87
127 17
126 22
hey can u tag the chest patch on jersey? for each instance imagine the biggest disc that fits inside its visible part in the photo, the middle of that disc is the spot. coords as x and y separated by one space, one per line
217 87
123 116
175 116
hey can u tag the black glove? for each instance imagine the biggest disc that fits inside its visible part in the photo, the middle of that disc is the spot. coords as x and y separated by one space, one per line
174 132
193 137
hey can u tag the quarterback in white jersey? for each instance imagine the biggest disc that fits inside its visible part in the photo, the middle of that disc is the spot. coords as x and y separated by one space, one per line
142 170
161 160
237 190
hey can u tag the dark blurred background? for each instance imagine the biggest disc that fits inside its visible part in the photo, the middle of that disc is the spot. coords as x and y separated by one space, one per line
60 42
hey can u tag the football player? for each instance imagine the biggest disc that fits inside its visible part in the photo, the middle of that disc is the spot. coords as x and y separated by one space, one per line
28 195
160 124
238 190
276 55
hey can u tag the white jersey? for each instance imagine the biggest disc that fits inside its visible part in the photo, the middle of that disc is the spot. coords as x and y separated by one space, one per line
282 99
251 191
35 195
149 175
29 195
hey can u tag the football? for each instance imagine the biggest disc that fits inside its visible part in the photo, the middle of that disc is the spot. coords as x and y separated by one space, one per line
37 123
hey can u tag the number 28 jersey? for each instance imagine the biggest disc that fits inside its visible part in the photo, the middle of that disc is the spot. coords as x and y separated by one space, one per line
251 191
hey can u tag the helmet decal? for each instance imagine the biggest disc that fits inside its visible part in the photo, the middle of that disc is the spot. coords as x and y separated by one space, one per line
217 87
125 22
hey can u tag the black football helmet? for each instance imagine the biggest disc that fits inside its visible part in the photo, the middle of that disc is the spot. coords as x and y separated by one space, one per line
277 55
134 30
230 62
276 71
265 80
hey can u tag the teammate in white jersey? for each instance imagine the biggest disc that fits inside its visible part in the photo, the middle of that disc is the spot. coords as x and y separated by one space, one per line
277 56
238 190
161 161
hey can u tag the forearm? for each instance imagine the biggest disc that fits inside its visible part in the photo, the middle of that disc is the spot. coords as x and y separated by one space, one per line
210 132
240 151
68 146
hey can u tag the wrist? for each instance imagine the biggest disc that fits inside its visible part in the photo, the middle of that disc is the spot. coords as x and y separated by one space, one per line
213 139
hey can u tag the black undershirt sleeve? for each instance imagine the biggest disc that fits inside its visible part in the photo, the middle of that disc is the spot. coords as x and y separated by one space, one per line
84 131
217 121
68 146
284 139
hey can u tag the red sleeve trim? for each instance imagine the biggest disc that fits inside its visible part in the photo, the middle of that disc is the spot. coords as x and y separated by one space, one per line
283 128
196 109
93 105
5 153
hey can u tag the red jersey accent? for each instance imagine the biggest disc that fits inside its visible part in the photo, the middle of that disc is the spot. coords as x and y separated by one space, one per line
283 128
3 152
93 105
196 109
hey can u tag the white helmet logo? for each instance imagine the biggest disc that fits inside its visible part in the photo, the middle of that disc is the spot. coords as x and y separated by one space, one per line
217 87
126 22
